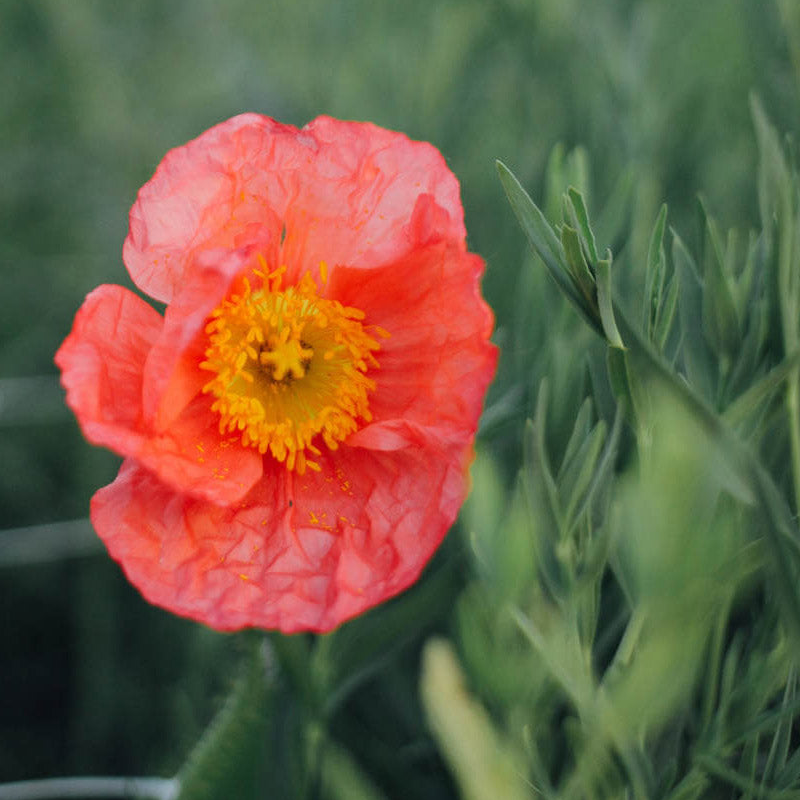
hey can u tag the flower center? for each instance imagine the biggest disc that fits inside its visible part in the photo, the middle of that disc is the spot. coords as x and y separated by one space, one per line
289 366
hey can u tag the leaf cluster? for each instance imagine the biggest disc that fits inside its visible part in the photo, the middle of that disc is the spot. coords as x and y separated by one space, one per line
656 623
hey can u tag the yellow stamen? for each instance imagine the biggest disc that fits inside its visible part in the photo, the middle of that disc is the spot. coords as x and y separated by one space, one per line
289 366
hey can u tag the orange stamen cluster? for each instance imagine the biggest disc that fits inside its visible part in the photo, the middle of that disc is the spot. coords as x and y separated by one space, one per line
290 366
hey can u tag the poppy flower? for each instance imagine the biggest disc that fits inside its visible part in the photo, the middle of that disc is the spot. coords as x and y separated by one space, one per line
298 425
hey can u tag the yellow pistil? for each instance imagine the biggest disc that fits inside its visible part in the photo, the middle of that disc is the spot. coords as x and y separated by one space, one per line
289 366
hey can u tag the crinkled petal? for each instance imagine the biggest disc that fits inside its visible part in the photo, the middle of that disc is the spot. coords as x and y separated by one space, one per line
301 552
183 553
187 449
437 362
192 456
173 377
390 509
339 192
370 196
102 363
220 190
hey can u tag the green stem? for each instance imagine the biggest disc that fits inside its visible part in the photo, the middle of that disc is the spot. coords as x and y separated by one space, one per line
58 788
793 410
230 750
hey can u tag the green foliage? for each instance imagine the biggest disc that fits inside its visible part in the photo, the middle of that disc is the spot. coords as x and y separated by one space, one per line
696 528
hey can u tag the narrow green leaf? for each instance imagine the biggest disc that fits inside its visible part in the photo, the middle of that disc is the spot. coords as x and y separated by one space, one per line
700 366
545 243
720 318
582 218
543 505
578 480
535 519
602 474
481 761
779 748
580 430
618 375
655 274
667 314
555 180
752 270
560 650
617 367
711 234
753 342
731 264
774 183
541 463
576 262
599 386
713 668
655 250
541 236
604 302
691 787
720 770
761 392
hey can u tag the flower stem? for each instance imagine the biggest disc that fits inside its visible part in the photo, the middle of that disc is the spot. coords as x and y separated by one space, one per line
84 787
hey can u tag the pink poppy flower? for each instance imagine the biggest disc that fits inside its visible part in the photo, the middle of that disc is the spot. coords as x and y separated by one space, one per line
298 425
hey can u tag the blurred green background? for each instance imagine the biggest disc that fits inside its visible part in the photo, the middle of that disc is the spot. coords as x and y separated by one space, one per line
92 679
